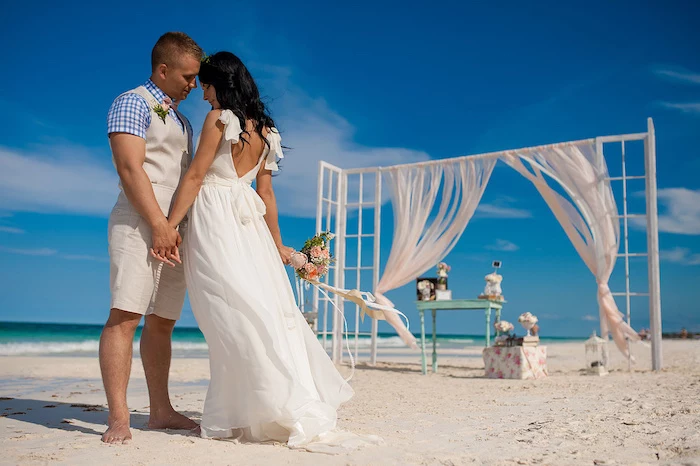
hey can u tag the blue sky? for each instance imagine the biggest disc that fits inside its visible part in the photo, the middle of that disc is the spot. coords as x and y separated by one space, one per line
374 83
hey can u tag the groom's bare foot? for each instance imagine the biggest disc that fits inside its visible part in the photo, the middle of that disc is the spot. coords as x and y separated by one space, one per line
117 432
172 420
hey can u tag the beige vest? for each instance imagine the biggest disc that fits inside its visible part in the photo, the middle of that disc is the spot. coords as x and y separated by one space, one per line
168 152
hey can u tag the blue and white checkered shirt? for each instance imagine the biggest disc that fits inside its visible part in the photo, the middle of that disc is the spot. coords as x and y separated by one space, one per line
130 112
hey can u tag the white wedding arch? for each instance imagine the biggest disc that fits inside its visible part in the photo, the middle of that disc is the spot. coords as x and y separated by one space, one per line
433 202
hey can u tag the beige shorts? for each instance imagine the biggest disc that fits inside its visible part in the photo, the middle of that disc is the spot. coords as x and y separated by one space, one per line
138 282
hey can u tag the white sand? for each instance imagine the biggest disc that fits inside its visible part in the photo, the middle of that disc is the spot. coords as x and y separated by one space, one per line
453 417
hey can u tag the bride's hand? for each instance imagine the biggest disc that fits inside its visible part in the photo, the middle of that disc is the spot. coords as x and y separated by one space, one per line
285 253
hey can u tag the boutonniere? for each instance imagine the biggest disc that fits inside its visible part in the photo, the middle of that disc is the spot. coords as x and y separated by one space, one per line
163 109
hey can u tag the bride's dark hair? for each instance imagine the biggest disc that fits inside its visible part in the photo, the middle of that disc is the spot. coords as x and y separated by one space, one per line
236 90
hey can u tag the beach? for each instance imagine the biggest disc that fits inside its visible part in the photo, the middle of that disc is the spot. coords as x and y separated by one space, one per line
53 411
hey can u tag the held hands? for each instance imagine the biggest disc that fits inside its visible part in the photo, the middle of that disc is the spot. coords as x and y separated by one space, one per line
285 253
166 241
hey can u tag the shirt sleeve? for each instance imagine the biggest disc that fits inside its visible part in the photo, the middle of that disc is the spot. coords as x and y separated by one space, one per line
129 113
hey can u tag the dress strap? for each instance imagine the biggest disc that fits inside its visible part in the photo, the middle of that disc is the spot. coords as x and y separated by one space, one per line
275 153
232 126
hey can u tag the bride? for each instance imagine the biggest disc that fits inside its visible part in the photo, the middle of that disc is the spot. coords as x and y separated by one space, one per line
271 379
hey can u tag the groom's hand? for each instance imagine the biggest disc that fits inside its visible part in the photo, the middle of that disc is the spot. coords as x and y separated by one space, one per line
165 242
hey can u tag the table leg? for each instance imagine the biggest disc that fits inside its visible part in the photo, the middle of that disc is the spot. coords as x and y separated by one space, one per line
434 343
498 315
488 326
422 342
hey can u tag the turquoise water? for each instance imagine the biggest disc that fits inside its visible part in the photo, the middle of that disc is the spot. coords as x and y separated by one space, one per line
26 339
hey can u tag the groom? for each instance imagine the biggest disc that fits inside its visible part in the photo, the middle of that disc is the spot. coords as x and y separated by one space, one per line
151 149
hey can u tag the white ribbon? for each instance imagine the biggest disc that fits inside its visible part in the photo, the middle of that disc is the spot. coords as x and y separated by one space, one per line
368 305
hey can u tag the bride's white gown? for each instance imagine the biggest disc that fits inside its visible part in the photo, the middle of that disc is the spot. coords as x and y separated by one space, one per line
270 377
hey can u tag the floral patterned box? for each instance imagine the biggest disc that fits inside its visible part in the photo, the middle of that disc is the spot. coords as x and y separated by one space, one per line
516 362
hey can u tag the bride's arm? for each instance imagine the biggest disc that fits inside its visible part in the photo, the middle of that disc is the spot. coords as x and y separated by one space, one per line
263 185
187 191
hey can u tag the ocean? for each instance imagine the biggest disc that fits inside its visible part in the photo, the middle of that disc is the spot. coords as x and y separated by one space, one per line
46 339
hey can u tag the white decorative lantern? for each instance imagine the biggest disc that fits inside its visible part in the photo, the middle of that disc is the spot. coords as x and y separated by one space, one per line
596 355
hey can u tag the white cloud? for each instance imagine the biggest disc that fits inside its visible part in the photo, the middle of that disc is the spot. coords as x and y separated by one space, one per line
30 252
589 318
681 75
83 257
70 180
681 256
679 211
503 245
16 231
678 74
690 107
53 252
501 208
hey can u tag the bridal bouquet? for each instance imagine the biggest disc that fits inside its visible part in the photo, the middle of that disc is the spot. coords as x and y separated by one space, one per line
314 259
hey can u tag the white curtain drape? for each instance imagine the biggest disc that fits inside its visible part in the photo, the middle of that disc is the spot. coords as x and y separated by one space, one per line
421 240
593 228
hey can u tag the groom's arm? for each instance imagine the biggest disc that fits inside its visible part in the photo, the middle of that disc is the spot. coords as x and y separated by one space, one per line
129 153
127 123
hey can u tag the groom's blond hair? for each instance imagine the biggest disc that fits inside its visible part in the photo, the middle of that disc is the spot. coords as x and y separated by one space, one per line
171 46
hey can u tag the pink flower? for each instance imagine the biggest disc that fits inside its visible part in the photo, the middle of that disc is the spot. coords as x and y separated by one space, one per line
325 254
316 251
298 260
167 102
309 267
322 269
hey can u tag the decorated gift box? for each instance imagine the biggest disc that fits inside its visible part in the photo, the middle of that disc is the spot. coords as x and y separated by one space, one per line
515 362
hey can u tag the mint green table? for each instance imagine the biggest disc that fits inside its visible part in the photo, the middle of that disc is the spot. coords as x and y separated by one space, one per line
454 305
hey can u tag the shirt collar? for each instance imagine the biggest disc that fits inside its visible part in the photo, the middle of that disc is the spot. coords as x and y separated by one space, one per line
155 90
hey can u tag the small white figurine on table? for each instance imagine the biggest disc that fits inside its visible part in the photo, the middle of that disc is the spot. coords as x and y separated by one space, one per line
493 291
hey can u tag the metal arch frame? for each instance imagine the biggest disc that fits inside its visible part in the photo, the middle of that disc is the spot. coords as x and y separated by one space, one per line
329 204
